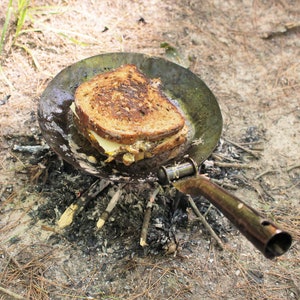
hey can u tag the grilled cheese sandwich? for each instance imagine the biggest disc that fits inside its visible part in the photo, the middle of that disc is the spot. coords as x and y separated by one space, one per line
126 116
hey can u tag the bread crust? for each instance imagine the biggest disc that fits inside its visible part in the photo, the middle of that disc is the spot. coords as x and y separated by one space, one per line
125 106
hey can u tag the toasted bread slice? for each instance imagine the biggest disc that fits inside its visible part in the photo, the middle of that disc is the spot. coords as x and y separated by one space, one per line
125 106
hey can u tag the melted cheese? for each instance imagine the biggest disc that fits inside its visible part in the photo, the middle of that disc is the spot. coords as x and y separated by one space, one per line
110 148
131 153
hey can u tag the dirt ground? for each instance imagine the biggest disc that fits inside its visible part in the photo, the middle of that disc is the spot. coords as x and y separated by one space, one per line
247 52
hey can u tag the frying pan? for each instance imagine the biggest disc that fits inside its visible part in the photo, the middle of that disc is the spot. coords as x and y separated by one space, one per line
204 118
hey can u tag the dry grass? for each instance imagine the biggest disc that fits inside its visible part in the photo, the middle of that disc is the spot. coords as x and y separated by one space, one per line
24 273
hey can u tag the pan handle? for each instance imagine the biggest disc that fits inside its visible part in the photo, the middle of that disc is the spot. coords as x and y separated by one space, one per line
266 236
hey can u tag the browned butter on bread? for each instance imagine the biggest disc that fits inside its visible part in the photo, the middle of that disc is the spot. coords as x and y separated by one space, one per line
129 113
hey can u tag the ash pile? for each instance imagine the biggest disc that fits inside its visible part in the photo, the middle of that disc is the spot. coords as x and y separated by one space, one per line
172 226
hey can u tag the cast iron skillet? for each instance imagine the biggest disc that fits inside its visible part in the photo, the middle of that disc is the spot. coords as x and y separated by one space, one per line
203 114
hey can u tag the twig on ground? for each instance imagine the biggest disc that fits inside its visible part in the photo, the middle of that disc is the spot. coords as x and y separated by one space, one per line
11 294
204 222
221 157
264 173
292 168
10 258
208 210
147 216
293 185
225 184
265 190
256 154
8 199
232 165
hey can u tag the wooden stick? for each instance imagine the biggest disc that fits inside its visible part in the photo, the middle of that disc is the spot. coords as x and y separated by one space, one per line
147 216
111 205
204 222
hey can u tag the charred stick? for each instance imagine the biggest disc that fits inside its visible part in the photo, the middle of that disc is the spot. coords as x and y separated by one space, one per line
144 231
76 207
147 216
111 205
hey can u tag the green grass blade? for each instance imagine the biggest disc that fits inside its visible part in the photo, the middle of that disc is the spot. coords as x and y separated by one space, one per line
5 26
22 11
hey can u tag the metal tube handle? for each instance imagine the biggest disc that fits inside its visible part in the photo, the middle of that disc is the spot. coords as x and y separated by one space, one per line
262 233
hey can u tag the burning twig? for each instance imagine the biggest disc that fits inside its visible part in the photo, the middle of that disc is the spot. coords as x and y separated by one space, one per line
75 208
147 217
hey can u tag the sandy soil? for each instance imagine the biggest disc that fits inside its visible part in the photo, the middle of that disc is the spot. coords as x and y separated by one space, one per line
247 52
